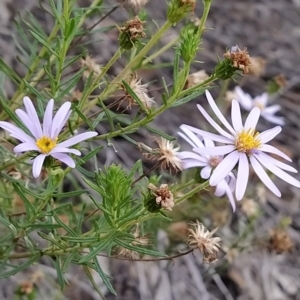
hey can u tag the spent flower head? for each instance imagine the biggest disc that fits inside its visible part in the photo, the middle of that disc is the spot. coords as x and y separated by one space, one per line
207 163
166 154
243 145
141 90
44 139
201 238
195 78
267 112
135 5
240 58
91 66
164 196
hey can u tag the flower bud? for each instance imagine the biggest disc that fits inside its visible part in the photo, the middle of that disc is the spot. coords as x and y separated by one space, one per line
177 9
189 44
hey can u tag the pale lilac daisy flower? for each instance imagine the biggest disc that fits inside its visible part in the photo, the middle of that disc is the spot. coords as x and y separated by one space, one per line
243 144
44 139
267 112
207 163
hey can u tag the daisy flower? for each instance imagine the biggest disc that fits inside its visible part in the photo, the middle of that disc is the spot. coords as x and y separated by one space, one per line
207 162
44 139
243 145
267 112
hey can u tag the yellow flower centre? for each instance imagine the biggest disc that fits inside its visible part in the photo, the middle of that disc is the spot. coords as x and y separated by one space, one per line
247 141
46 144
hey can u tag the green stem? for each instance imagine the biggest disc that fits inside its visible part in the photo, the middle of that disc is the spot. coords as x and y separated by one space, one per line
192 192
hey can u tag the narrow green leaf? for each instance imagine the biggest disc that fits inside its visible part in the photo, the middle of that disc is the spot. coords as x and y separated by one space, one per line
9 72
84 118
63 225
91 278
189 97
160 133
28 206
135 97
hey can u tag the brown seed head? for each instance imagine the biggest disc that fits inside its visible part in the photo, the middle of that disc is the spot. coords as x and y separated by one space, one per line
166 154
164 196
134 28
91 66
195 78
280 241
240 58
257 67
201 238
141 90
135 5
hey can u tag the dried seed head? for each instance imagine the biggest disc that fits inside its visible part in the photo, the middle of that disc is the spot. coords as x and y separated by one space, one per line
91 66
201 238
249 207
131 32
166 154
164 197
135 5
141 90
26 288
280 241
196 78
240 58
138 241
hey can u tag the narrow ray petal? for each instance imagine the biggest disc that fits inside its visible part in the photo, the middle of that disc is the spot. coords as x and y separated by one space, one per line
16 132
77 139
244 99
271 110
213 123
218 113
252 118
26 147
278 172
224 168
30 109
218 150
65 150
59 119
191 155
273 119
208 143
236 117
242 176
269 134
65 159
278 163
47 121
191 137
230 197
205 172
191 163
212 136
263 176
27 122
271 149
220 188
37 165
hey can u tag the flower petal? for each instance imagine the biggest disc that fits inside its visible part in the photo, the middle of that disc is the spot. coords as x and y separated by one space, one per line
47 121
16 132
26 147
208 143
263 176
273 119
271 149
278 172
269 134
27 122
191 163
65 150
271 110
224 168
220 188
65 159
213 123
30 109
219 150
205 172
242 176
277 163
236 117
191 155
218 113
37 165
77 139
252 118
60 119
244 99
212 136
191 137
230 197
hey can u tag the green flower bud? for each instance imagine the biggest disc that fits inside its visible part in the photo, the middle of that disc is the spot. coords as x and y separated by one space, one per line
177 9
189 43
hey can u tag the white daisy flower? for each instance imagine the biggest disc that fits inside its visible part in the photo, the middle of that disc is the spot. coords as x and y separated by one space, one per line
243 144
267 112
44 139
207 162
